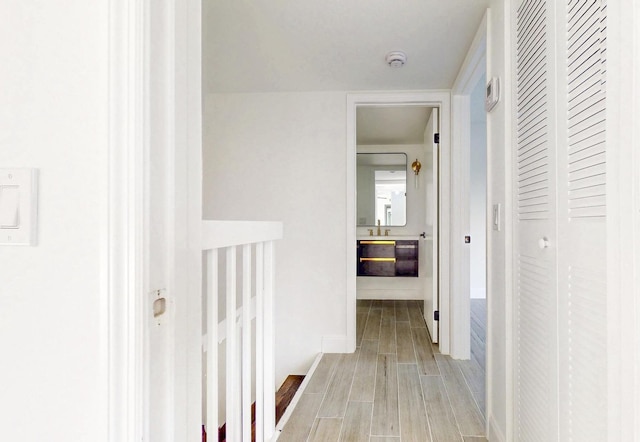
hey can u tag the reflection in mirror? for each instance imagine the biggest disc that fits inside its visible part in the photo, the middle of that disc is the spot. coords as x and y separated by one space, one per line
382 186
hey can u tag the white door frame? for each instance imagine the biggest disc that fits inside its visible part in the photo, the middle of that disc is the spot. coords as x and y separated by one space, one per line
473 68
442 100
133 101
185 55
122 241
623 225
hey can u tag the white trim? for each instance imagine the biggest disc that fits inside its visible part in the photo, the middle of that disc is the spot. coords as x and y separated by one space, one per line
623 220
391 293
494 434
183 57
472 70
441 99
122 235
460 226
219 234
509 96
296 397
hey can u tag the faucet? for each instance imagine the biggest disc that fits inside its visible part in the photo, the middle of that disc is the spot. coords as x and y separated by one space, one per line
386 232
370 232
379 233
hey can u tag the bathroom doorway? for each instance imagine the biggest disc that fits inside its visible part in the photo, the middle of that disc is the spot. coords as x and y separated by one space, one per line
396 193
376 126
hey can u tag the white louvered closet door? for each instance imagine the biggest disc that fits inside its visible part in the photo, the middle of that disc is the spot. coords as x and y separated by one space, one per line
582 221
535 237
560 222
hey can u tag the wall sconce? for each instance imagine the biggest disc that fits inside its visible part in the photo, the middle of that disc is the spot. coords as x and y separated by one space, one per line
416 170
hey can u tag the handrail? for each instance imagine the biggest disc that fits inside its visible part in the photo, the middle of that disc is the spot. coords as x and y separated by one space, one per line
219 234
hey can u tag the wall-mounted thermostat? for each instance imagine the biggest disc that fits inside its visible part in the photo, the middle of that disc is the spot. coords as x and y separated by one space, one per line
493 94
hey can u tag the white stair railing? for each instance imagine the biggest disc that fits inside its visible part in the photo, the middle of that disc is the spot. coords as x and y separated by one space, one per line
253 239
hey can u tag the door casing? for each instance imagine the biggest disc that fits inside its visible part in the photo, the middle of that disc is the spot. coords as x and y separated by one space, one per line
441 100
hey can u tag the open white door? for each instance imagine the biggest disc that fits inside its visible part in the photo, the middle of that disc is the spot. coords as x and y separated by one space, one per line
431 303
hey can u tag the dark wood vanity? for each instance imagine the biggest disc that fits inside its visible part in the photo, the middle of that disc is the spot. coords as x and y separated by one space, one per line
388 257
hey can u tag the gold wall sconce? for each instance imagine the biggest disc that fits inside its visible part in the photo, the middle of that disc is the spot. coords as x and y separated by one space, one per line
415 166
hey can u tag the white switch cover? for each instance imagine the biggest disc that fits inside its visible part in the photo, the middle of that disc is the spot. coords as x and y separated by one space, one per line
497 208
18 206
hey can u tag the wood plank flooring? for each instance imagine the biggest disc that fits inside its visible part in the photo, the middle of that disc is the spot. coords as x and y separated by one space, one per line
396 386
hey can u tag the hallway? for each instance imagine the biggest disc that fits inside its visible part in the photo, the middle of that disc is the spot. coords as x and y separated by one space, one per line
395 387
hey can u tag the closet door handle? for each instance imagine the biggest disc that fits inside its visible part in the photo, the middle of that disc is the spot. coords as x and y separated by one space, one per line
543 243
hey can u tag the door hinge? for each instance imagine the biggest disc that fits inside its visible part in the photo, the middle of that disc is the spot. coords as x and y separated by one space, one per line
467 239
436 138
436 315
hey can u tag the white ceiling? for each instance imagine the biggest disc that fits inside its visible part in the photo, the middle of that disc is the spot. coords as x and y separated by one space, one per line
340 45
391 125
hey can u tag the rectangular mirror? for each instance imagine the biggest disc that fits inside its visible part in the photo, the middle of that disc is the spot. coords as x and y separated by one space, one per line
382 187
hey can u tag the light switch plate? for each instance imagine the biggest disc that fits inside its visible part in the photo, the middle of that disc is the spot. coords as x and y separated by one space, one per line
18 206
496 216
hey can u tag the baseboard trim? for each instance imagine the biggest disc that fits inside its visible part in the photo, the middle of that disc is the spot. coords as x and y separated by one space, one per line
478 293
495 434
296 398
334 344
398 294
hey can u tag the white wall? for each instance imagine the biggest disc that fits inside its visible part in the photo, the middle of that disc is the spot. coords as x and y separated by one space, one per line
53 116
499 242
281 156
478 191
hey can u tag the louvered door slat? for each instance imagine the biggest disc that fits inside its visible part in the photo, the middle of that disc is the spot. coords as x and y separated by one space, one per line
582 40
586 102
586 150
533 50
533 85
532 156
588 125
584 143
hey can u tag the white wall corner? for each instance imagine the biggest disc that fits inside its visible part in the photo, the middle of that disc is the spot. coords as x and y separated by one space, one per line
335 344
474 62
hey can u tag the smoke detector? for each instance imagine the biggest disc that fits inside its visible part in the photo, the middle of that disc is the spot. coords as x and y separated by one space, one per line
396 59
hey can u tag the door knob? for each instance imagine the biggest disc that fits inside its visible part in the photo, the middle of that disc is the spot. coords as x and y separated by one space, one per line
543 243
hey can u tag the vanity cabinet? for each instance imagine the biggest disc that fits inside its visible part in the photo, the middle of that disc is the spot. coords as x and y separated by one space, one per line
378 257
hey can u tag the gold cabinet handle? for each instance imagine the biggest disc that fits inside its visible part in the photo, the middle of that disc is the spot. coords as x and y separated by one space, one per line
378 259
378 242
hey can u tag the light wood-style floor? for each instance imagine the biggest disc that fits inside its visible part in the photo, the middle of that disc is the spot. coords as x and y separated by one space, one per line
396 386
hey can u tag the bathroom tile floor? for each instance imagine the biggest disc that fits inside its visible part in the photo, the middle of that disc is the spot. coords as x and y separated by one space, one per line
396 386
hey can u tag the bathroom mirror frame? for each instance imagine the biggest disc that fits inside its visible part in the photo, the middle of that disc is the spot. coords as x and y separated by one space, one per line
380 195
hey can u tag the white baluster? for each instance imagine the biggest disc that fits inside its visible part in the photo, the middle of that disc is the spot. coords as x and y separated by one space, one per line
212 342
246 343
233 416
259 342
269 363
